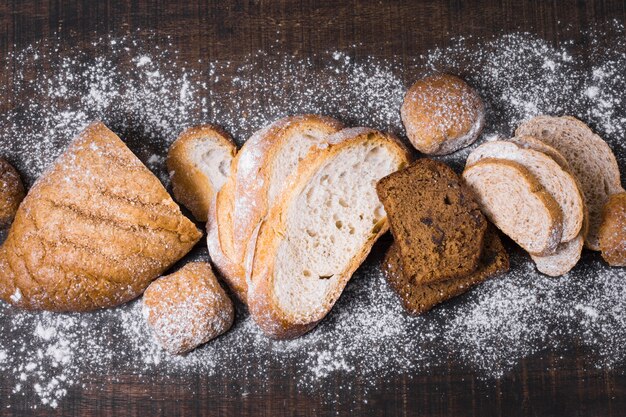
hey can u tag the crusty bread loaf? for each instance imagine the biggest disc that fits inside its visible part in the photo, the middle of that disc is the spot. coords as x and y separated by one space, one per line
612 233
187 308
418 298
93 231
437 225
11 192
560 184
517 204
258 177
590 158
199 164
320 230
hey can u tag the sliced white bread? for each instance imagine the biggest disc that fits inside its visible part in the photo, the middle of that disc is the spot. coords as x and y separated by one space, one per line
320 231
516 202
258 176
590 158
563 259
560 184
199 164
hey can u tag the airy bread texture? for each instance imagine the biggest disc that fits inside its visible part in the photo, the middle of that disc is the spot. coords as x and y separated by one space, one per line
258 178
612 233
442 114
199 164
516 202
93 231
187 308
11 192
590 158
320 231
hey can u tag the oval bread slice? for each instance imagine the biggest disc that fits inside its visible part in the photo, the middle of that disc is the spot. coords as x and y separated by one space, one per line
590 158
559 183
563 259
516 202
320 231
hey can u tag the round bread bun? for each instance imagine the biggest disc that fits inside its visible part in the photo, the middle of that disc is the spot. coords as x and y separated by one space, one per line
442 114
11 192
612 234
187 308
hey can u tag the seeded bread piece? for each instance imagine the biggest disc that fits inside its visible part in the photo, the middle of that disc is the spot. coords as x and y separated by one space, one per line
612 232
320 231
590 158
516 202
560 184
199 164
418 298
11 192
437 224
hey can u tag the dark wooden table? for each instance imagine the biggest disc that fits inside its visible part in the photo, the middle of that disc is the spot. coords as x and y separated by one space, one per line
231 30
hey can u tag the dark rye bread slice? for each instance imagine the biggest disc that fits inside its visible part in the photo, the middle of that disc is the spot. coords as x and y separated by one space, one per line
437 224
419 298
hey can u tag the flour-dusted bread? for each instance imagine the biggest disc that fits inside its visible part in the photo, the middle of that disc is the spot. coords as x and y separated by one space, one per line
442 114
437 225
187 308
590 158
93 231
258 177
516 202
612 233
11 192
559 183
320 231
199 164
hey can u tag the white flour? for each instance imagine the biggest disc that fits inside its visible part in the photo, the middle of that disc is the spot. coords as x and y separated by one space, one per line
145 96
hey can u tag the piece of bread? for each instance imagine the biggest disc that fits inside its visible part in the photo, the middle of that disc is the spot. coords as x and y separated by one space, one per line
418 298
93 231
437 225
320 231
514 200
258 177
564 258
187 308
199 164
590 158
560 184
442 114
612 233
11 192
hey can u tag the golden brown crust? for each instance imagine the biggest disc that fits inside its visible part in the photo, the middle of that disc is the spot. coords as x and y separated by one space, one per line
93 231
612 233
190 185
11 192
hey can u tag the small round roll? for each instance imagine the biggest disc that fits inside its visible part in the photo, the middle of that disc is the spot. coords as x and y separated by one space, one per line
11 192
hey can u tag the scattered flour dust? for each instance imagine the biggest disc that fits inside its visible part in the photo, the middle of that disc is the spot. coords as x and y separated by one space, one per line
146 95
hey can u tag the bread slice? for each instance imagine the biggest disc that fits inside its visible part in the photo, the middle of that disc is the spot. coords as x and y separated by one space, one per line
320 231
437 224
418 298
93 231
258 177
590 158
560 184
613 230
564 258
513 199
199 164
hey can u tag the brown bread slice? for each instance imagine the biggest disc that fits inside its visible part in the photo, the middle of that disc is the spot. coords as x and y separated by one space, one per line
437 224
419 298
613 230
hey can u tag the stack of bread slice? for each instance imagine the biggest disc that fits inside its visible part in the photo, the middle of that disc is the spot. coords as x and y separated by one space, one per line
297 216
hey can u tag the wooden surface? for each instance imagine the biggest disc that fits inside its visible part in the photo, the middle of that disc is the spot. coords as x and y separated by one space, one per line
543 385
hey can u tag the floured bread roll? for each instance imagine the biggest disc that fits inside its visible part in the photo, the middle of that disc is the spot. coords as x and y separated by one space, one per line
11 192
94 230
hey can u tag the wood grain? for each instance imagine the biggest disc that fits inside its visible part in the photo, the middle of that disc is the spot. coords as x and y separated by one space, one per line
546 385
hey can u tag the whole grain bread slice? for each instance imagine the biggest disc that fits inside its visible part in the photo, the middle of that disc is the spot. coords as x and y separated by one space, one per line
437 224
590 158
516 202
319 232
564 258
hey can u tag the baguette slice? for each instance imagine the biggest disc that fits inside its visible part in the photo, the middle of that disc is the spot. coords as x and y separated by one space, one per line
513 199
199 164
560 184
258 177
590 158
320 231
